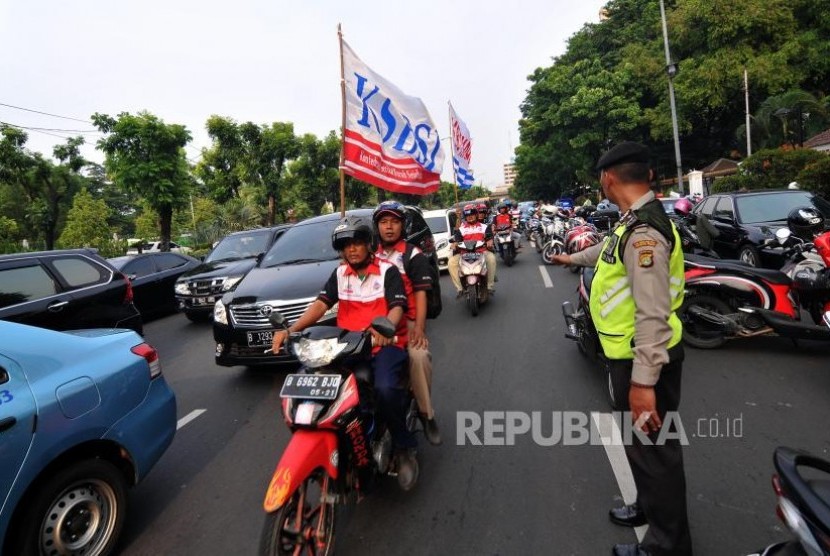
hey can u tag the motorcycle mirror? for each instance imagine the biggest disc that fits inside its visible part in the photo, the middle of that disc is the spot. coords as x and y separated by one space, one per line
782 235
384 327
278 320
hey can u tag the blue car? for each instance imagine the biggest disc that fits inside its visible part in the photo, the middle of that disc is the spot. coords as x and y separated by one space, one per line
84 415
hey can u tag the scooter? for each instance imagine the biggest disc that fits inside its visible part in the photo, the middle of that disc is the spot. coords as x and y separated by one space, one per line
727 299
338 447
506 244
554 237
803 504
472 269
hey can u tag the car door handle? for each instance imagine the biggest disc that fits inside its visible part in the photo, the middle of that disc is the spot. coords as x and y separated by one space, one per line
57 306
7 423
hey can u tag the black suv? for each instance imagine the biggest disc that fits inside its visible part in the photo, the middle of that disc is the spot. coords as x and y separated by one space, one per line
223 268
746 220
288 279
66 290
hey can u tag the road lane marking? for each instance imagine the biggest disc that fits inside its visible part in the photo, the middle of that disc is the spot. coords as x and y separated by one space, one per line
546 277
610 431
189 417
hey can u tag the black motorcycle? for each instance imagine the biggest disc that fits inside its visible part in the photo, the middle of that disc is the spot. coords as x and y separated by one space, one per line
803 503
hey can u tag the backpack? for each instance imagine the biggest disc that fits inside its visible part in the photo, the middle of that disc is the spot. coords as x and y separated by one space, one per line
433 294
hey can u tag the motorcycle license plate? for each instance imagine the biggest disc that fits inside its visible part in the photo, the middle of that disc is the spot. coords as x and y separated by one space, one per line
311 387
260 339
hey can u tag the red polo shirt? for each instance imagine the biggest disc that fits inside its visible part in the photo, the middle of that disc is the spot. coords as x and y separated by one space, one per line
360 301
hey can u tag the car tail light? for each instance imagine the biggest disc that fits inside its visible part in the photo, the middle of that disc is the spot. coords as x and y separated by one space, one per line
150 355
128 295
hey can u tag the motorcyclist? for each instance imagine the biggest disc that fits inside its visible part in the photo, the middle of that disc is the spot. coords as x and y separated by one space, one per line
483 212
365 288
472 229
503 220
390 222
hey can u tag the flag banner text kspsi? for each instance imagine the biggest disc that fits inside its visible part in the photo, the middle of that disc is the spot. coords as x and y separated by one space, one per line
462 151
390 140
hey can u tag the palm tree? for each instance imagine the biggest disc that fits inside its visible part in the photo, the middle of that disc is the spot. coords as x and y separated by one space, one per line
787 119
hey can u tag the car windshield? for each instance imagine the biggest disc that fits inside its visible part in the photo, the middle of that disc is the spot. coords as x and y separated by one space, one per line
438 224
775 207
303 243
240 246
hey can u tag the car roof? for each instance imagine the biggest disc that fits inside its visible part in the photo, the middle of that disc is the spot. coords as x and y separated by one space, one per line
761 192
263 228
56 252
336 216
436 212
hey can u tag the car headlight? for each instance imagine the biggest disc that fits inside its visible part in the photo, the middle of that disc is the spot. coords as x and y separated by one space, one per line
230 283
317 353
219 313
182 288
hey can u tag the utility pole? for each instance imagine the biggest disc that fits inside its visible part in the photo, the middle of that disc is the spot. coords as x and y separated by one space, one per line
671 70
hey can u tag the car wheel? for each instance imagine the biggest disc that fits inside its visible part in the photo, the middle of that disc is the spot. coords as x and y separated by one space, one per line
749 255
79 510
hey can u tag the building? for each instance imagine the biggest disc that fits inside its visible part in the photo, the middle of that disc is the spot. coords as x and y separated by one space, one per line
820 142
509 174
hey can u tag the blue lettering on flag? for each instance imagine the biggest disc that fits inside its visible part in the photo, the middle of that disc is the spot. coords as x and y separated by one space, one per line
464 178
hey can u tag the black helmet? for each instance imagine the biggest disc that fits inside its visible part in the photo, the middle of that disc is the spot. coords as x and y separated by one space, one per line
352 227
805 222
392 208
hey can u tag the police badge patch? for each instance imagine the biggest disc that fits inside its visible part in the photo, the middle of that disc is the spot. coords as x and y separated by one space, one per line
646 258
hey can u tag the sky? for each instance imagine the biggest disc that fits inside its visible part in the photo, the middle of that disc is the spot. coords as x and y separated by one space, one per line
274 60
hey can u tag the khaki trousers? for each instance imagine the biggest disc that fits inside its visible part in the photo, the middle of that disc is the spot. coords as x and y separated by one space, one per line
420 377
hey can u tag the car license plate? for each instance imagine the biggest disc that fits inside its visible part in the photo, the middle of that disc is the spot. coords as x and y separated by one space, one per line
260 339
312 387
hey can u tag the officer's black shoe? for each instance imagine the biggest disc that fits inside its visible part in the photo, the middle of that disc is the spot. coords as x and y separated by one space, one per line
431 432
629 515
628 550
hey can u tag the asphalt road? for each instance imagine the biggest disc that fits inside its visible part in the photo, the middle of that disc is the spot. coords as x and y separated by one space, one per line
205 495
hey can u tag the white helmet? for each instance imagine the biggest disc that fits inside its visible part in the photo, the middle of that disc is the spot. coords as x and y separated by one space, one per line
793 185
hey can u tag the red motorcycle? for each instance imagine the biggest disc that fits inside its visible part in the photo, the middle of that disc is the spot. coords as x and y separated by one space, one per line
338 447
727 299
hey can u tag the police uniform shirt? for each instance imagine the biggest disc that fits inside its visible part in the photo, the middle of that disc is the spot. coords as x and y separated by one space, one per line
646 259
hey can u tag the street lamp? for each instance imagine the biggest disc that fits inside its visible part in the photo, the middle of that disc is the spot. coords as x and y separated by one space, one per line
671 70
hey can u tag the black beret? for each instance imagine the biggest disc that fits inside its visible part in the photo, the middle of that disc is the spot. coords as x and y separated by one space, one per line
624 152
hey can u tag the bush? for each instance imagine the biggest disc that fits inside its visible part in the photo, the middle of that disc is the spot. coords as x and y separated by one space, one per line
816 177
776 168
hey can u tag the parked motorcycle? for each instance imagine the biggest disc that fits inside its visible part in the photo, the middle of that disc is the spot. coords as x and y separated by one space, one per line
554 238
472 269
506 244
803 503
727 299
338 447
579 327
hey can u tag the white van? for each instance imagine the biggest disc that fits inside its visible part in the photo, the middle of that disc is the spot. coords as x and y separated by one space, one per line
442 223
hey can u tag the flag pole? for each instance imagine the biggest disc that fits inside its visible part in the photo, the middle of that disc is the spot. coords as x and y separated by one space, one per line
343 128
452 155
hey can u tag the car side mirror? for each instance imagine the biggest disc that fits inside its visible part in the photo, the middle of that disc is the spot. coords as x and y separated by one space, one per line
782 235
132 277
384 327
278 320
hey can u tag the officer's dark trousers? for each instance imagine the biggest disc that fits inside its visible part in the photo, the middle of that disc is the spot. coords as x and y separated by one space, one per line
390 366
658 469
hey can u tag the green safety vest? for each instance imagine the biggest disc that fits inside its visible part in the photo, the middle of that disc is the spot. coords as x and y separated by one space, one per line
612 307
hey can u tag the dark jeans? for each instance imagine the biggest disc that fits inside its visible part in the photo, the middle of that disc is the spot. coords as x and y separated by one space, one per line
658 470
392 394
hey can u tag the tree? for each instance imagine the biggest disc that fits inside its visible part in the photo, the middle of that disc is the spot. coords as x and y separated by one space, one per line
267 148
86 223
221 168
146 158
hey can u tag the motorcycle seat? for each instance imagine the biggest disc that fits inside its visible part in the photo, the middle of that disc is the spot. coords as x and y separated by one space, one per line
768 274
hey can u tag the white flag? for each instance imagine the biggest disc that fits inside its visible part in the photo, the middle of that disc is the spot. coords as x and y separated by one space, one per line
462 151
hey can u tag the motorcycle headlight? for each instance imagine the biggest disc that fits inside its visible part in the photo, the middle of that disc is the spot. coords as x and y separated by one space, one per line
219 313
230 283
181 288
317 353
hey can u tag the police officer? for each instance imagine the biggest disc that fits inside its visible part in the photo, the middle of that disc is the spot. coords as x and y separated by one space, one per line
635 294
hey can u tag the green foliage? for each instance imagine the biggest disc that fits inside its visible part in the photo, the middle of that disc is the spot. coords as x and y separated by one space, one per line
145 157
9 230
86 223
815 176
611 85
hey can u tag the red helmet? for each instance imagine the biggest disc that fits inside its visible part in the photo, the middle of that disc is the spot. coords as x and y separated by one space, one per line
469 210
482 207
581 238
682 207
